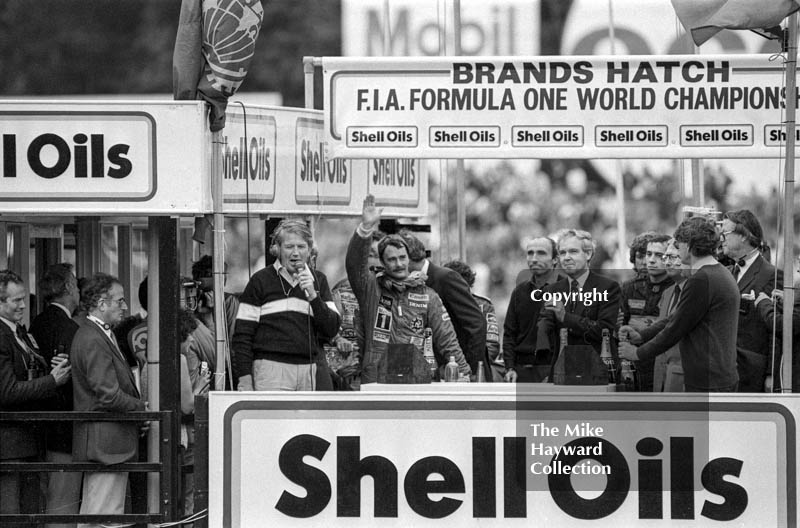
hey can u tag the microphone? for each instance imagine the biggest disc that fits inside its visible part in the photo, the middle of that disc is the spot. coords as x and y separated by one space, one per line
301 267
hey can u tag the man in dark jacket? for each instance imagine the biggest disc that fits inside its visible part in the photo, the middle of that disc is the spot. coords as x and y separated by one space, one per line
24 386
468 321
585 304
742 241
54 330
519 329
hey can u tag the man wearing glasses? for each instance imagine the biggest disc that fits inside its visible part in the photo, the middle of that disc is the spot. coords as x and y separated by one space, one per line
704 321
668 370
103 381
641 295
742 241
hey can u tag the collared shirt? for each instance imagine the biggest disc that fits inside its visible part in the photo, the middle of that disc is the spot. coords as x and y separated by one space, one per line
425 267
748 261
283 272
581 278
103 326
13 326
64 308
551 277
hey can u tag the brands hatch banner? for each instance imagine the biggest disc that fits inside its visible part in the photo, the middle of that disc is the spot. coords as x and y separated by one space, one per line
474 459
672 106
275 161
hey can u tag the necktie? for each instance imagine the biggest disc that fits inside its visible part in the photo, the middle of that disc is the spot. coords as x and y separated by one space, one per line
736 271
22 333
574 288
673 302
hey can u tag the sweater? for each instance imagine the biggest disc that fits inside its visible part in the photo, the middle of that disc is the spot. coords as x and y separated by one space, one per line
276 321
704 325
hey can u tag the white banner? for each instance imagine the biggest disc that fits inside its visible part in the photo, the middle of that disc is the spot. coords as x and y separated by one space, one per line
501 459
724 106
92 157
290 171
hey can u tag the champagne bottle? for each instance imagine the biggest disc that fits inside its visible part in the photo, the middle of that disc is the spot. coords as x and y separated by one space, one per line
607 358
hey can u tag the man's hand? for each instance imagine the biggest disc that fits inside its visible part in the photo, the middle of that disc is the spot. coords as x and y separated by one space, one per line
370 215
762 297
633 335
511 376
627 351
344 345
307 282
245 383
62 371
557 307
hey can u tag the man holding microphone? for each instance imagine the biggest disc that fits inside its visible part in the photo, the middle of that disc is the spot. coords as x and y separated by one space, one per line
286 309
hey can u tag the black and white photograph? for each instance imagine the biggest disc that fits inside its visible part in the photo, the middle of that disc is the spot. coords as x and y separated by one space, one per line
399 263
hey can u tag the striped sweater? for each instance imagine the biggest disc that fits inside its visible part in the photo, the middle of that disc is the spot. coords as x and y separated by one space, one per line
275 321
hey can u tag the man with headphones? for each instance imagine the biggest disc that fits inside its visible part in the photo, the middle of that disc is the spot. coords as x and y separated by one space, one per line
284 312
742 242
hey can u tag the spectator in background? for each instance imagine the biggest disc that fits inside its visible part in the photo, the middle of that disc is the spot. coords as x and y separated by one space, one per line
466 316
519 328
284 313
25 385
637 253
54 330
642 294
396 305
192 384
668 370
585 321
705 321
487 309
103 381
203 274
742 241
770 309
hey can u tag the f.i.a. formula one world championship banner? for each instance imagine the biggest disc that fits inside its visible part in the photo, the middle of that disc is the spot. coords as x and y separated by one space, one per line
722 106
479 459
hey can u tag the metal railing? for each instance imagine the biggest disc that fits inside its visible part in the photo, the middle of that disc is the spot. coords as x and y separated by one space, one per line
165 467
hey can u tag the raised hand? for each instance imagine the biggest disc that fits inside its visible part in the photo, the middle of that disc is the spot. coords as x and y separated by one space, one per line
370 215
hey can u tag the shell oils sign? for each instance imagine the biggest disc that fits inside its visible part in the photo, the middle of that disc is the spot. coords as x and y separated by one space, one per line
408 459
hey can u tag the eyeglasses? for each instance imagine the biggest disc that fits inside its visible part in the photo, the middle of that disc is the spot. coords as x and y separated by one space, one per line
668 258
723 235
120 302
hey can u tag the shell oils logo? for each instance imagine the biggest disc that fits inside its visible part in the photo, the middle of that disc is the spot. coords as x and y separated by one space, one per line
51 155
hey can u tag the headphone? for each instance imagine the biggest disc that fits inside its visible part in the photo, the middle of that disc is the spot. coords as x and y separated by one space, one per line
289 225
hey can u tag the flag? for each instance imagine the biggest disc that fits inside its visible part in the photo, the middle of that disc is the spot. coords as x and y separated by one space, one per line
213 48
705 18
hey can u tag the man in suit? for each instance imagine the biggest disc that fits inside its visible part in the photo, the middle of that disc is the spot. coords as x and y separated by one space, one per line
742 241
467 318
592 301
668 370
54 330
24 386
103 381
